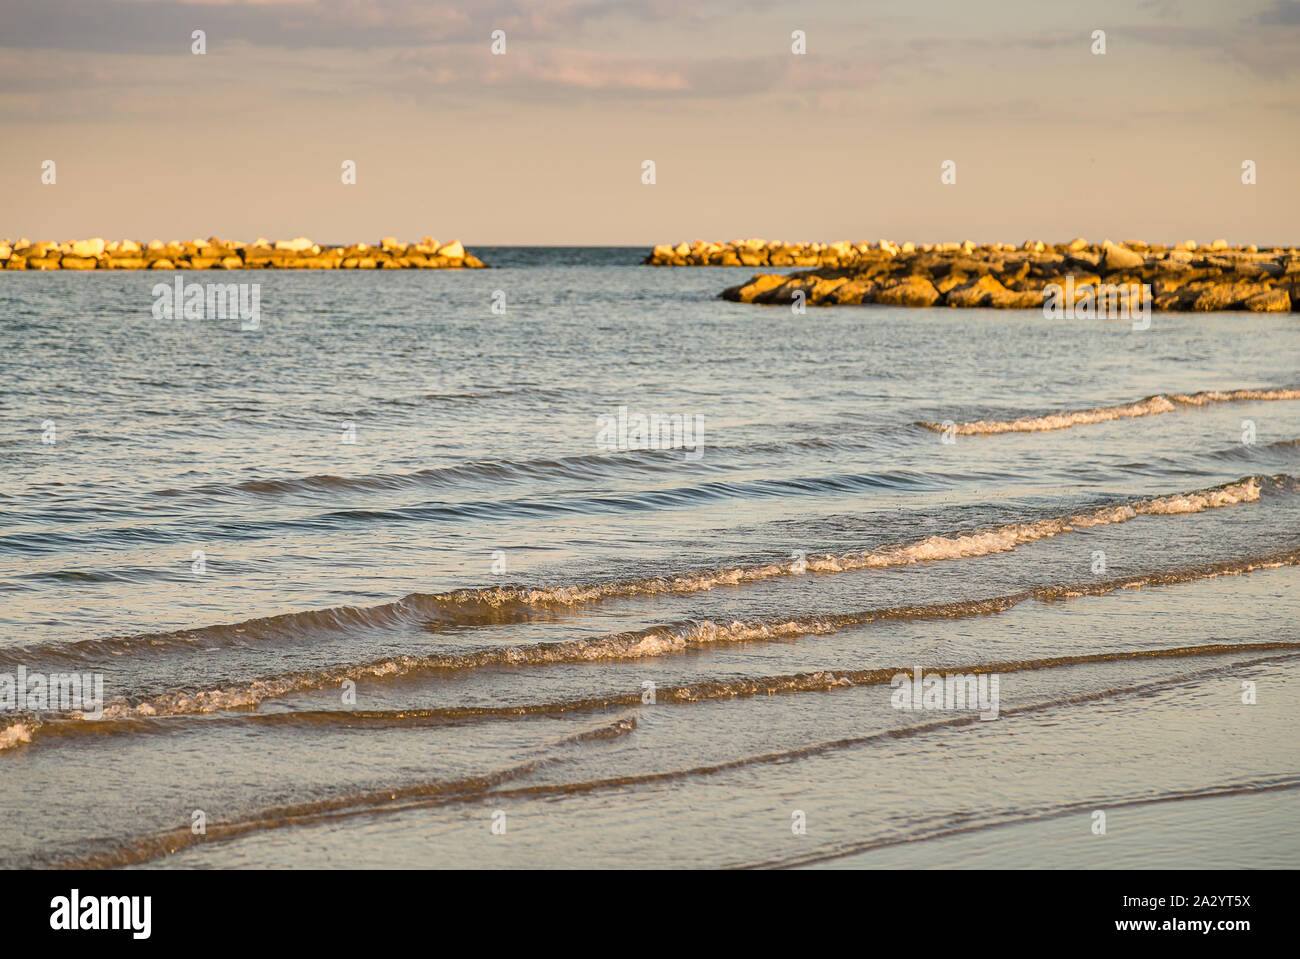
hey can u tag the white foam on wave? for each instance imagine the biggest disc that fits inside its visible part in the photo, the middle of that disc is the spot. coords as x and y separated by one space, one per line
936 548
15 734
1151 406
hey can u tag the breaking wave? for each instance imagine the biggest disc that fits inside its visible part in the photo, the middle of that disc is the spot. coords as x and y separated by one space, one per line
495 605
655 641
1151 406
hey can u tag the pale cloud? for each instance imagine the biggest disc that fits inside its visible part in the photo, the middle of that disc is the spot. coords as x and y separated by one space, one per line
533 74
545 143
159 26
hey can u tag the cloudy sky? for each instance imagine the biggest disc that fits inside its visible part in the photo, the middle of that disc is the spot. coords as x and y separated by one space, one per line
545 143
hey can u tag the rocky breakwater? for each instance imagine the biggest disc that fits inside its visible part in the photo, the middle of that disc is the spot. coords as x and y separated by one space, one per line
754 252
216 254
1184 277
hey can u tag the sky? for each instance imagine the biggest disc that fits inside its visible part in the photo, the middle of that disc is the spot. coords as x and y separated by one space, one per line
545 143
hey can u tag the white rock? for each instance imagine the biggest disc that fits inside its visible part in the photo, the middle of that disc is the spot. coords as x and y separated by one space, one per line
1121 258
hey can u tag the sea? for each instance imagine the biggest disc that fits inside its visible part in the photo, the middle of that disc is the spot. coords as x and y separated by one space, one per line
570 563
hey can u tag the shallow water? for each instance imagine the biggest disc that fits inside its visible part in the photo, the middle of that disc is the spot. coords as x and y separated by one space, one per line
500 588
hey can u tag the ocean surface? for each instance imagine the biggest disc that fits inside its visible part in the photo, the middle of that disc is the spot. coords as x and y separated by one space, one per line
384 582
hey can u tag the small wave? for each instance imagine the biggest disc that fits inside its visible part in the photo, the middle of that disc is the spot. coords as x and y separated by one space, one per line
960 824
655 641
1242 451
1151 406
681 694
502 604
158 845
586 466
498 784
580 466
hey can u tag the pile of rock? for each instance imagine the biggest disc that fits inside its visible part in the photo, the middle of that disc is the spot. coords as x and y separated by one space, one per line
755 252
215 254
759 252
1184 277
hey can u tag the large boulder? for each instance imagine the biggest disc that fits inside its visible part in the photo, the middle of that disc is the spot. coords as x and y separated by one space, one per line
976 292
748 292
910 291
1206 296
1269 301
1016 300
823 289
853 292
1120 258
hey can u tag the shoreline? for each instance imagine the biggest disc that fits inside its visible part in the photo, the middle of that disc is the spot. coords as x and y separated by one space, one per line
1077 278
216 254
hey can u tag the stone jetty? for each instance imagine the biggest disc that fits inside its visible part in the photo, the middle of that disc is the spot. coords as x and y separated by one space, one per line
216 254
1187 276
753 253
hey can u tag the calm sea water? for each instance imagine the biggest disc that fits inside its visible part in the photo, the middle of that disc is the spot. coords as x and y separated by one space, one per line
368 586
